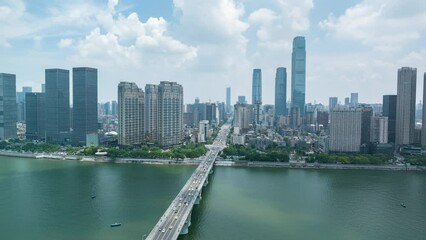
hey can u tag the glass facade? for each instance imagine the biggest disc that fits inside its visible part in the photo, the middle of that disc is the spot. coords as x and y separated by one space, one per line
298 74
257 86
281 92
8 107
389 110
35 111
85 103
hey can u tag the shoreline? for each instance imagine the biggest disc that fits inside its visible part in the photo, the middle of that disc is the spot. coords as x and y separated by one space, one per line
220 163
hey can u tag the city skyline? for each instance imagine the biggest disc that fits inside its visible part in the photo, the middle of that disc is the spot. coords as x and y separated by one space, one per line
247 35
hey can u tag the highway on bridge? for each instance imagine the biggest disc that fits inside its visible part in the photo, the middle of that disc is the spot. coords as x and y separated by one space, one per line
177 218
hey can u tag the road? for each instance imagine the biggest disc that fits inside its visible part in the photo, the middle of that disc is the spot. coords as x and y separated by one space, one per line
175 217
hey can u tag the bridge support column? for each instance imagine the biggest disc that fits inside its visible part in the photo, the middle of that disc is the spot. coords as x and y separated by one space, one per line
185 228
197 201
211 171
206 182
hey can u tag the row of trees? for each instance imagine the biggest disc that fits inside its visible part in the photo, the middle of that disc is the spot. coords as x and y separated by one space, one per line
29 147
346 158
190 150
417 160
275 154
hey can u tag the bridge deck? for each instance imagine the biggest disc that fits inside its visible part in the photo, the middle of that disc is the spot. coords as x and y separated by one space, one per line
178 214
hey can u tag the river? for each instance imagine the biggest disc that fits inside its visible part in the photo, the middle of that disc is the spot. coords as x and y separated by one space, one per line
51 199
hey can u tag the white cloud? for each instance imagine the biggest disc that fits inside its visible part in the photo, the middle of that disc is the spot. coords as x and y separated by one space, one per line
65 42
385 25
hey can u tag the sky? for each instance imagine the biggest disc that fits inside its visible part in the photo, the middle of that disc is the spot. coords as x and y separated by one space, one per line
352 45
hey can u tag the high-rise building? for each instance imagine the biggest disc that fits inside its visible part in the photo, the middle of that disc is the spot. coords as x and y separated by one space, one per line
366 114
43 88
20 100
345 130
379 129
332 103
35 112
57 102
406 106
210 113
347 102
298 74
228 100
221 110
151 112
107 108
203 131
243 116
354 99
130 114
281 92
114 108
170 113
295 120
8 107
389 110
242 99
257 93
85 103
423 134
322 118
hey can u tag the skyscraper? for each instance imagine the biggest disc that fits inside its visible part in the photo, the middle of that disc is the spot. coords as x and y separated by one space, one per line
242 99
170 113
366 115
210 113
332 103
424 112
389 110
243 117
406 106
8 107
85 103
257 93
298 74
379 129
57 123
20 100
347 102
228 100
130 114
281 92
35 113
354 99
114 108
345 130
151 112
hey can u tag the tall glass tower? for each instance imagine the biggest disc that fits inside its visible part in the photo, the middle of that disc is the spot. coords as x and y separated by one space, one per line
298 74
228 100
257 93
281 92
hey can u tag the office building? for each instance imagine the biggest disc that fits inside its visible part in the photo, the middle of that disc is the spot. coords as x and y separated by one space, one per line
228 100
20 101
423 134
170 113
389 111
203 131
332 103
151 112
8 113
295 120
35 113
106 107
322 118
85 103
347 102
243 117
130 114
298 74
379 129
366 115
114 108
257 93
345 130
405 106
57 102
210 113
281 92
242 100
354 99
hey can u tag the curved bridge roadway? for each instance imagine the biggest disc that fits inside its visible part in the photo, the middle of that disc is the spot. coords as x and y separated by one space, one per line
177 218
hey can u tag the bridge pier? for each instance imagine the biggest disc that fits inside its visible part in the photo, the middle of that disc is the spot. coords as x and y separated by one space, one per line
211 171
197 201
206 182
185 228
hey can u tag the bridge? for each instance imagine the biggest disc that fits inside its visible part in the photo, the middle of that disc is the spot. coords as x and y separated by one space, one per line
177 218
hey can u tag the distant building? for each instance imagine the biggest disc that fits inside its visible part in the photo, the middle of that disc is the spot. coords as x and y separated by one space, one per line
20 100
354 99
332 103
221 109
257 93
85 103
280 92
130 114
8 113
243 116
210 113
298 74
347 102
242 100
406 106
228 100
322 118
366 115
203 131
107 109
379 129
389 110
43 88
423 134
295 120
170 113
114 108
345 130
151 112
57 104
35 112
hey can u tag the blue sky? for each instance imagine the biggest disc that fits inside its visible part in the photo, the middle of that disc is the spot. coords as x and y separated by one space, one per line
352 46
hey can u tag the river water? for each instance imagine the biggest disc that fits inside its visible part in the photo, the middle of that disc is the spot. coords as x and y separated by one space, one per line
51 199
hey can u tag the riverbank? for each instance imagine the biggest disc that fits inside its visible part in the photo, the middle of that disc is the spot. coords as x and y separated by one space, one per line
103 159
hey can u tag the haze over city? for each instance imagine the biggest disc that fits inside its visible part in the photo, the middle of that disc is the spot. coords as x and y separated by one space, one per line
352 46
